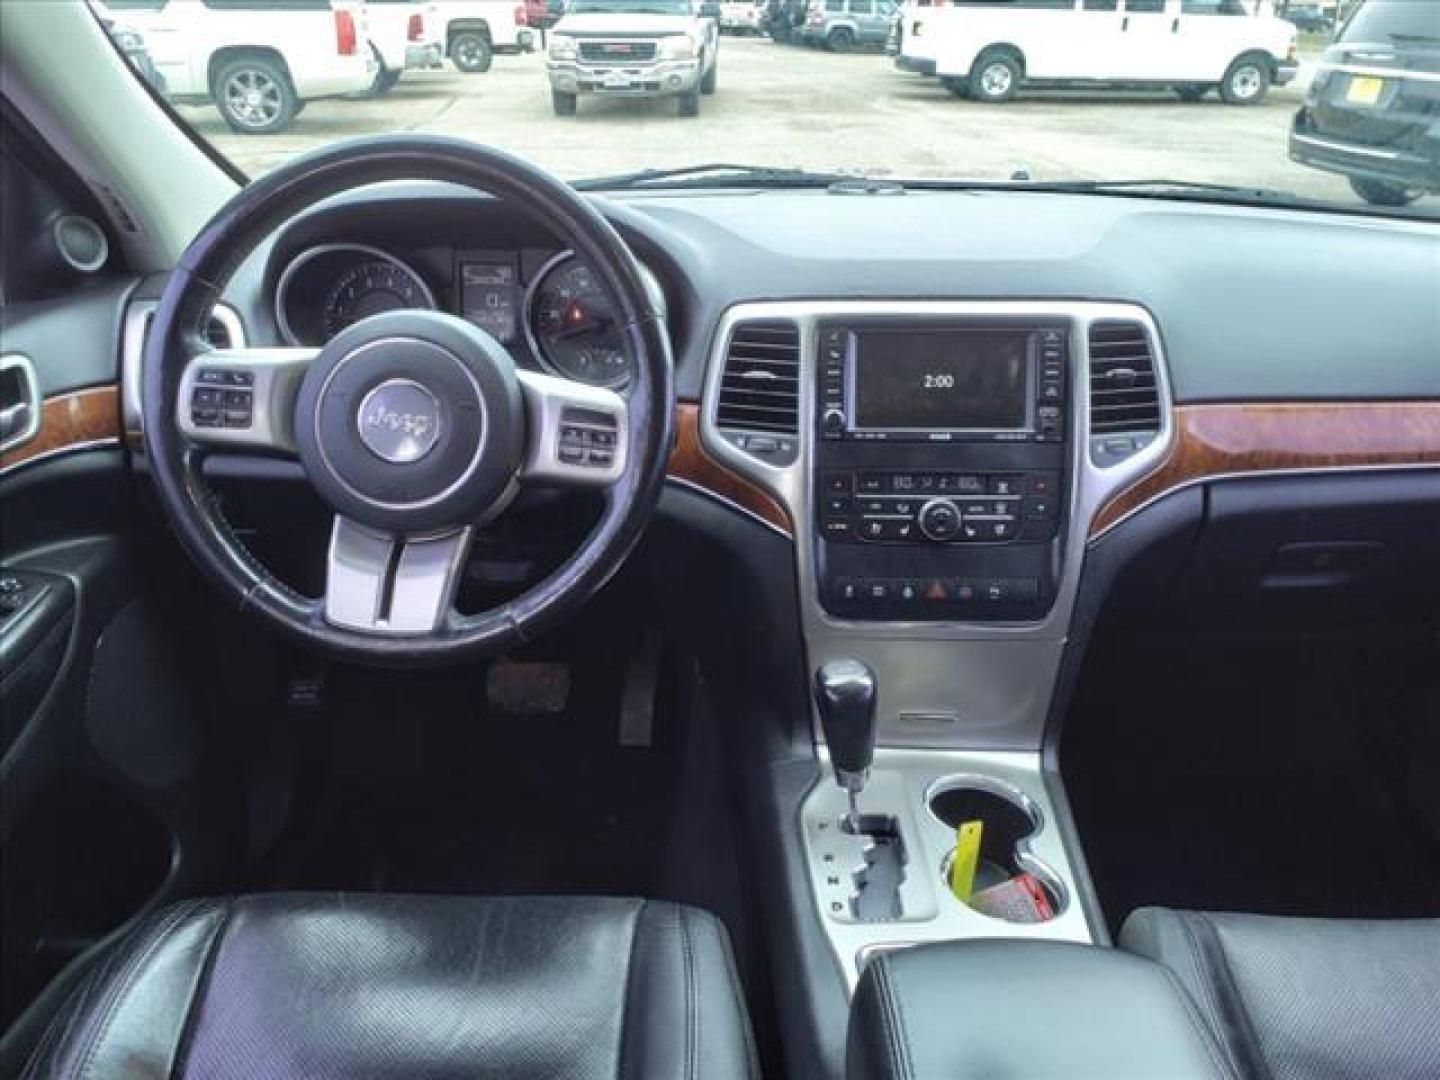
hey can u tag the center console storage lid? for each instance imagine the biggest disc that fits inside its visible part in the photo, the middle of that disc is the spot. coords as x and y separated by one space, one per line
999 1009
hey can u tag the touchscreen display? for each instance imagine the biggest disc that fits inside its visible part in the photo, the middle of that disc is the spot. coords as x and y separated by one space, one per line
941 380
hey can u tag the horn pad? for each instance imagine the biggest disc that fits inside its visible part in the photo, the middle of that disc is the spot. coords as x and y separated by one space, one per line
411 421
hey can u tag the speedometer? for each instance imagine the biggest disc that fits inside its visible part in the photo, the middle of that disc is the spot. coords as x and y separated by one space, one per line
571 324
370 287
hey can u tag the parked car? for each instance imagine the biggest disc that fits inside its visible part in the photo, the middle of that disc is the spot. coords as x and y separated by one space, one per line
473 31
131 44
634 48
405 36
1310 17
989 52
742 16
842 25
259 62
1370 111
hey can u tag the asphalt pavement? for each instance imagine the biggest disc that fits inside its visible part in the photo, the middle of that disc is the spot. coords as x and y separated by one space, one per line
787 106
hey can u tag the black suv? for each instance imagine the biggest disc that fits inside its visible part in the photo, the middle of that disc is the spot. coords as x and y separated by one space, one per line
1373 109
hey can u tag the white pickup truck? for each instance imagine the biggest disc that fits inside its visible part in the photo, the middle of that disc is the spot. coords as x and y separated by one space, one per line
405 35
473 31
987 52
634 48
258 61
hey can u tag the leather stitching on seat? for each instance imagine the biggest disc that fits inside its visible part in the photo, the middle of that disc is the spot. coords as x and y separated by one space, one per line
635 931
126 978
1230 1012
690 1005
1216 1054
896 1039
202 986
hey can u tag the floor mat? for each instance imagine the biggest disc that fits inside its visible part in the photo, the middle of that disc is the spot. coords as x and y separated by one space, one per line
430 790
1226 777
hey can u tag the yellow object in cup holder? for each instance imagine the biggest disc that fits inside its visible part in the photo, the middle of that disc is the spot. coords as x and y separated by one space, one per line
968 836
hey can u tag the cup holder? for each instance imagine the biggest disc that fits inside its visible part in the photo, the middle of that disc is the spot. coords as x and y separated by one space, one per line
1010 819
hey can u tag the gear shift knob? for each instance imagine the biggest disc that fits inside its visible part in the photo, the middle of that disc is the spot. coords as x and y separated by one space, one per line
846 695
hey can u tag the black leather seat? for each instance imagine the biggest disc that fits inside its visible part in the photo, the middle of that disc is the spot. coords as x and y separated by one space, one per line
1306 999
363 987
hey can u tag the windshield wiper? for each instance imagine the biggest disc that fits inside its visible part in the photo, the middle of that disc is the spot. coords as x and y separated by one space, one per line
1171 189
715 174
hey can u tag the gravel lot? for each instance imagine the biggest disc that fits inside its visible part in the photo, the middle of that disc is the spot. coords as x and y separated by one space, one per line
781 105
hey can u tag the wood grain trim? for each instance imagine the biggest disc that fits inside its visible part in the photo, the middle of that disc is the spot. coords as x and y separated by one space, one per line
690 462
69 420
1229 440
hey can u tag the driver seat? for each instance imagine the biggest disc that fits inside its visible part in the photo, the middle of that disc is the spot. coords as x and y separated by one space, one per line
376 986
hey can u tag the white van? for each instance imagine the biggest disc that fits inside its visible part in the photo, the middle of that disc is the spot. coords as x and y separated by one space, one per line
989 49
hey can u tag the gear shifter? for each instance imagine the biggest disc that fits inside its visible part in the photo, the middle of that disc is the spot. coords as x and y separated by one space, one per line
846 694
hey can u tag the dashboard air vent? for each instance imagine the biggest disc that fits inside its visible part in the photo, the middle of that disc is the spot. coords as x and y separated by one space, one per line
759 405
1124 398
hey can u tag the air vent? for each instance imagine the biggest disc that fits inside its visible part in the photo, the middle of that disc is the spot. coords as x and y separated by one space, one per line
1124 398
759 406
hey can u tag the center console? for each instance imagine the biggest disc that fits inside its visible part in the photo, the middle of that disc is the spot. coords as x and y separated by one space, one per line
945 463
940 466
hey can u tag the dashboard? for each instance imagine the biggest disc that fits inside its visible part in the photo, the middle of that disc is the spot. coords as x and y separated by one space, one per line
539 300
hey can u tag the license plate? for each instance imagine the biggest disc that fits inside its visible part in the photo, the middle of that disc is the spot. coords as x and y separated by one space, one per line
616 81
1364 90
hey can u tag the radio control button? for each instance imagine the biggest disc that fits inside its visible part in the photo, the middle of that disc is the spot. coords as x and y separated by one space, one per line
837 504
939 519
1050 390
838 530
876 590
963 483
872 529
838 483
1041 483
907 591
934 591
846 589
999 530
902 482
872 482
965 592
834 420
1004 485
975 506
1038 507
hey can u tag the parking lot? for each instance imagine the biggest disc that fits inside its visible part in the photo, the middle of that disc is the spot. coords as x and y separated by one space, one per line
786 106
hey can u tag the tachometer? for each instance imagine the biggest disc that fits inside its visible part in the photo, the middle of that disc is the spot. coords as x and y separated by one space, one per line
571 324
371 287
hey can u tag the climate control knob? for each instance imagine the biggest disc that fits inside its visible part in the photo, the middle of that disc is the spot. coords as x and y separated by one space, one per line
834 420
939 519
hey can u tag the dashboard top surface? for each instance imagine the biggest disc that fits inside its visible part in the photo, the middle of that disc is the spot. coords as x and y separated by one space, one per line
1252 304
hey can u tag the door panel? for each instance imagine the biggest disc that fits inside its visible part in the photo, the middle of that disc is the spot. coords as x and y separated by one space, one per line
1148 40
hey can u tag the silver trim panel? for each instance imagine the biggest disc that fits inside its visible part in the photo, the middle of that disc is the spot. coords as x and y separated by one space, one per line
380 583
902 783
132 356
949 684
26 411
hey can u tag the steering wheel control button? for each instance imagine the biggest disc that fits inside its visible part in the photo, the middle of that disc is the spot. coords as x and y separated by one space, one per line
939 519
586 438
400 421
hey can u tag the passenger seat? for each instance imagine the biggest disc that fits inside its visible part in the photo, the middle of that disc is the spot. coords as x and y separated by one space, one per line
1306 999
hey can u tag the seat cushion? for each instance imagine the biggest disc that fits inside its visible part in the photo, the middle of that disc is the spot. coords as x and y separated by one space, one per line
368 985
1306 999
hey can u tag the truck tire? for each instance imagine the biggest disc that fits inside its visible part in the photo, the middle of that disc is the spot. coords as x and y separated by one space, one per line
711 78
1382 192
564 103
254 96
995 77
841 39
690 103
471 52
1246 81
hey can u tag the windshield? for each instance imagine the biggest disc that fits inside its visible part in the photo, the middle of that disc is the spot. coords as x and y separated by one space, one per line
1383 20
1201 99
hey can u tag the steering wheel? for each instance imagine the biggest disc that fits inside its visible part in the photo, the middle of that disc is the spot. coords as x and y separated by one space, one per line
414 427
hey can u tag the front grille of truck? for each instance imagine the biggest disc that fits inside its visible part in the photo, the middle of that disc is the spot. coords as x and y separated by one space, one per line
617 52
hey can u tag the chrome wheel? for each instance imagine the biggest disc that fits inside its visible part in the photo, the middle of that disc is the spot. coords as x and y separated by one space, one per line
253 98
997 79
1247 82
